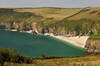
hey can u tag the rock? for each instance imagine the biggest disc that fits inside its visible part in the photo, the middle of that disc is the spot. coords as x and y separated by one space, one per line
92 45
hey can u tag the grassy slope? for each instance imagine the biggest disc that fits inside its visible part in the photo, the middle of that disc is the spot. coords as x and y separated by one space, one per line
9 15
49 15
57 13
88 13
64 13
77 61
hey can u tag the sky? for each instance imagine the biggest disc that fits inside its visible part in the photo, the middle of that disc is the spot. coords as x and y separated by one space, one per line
49 3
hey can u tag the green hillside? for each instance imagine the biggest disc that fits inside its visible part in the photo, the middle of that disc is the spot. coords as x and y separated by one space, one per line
74 21
87 13
9 15
86 20
56 13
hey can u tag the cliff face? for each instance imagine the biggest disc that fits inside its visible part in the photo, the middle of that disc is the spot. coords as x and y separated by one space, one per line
92 45
24 27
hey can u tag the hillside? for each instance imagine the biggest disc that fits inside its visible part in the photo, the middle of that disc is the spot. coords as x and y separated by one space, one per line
87 21
87 13
56 20
91 60
56 13
43 17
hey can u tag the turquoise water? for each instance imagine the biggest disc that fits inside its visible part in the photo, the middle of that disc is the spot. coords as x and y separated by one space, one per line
35 45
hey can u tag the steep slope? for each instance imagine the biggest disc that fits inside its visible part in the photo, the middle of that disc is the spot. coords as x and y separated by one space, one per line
92 45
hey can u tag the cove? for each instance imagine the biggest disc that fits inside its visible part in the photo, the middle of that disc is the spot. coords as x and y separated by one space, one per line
35 45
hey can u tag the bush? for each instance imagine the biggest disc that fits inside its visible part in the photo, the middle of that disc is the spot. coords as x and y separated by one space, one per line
9 55
42 56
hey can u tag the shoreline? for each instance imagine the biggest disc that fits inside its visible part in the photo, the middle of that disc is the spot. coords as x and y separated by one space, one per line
76 40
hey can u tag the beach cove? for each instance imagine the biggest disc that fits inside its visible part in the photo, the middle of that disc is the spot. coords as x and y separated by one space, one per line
35 45
79 41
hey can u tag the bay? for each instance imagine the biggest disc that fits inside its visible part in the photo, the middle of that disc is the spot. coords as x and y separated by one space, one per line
35 45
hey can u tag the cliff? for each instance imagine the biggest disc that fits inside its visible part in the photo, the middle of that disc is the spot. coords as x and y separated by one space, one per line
92 45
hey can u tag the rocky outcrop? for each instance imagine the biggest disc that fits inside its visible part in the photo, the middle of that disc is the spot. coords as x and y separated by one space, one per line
92 45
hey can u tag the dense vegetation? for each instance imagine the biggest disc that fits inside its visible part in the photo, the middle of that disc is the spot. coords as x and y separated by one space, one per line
9 55
78 27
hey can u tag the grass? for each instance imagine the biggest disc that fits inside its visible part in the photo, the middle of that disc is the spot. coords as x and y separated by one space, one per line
92 60
95 37
52 12
57 13
88 13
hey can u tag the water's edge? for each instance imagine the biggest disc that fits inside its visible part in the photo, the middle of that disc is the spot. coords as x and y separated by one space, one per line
66 44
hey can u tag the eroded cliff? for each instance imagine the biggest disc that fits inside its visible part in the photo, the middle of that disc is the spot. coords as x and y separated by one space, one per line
92 45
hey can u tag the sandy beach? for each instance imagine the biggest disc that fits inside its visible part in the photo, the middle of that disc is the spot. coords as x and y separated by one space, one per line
77 41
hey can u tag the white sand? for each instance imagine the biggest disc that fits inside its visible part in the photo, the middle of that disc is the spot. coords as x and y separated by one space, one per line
13 30
77 41
30 31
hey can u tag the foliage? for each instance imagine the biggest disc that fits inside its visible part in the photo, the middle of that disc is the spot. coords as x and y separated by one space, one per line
9 55
89 60
77 27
